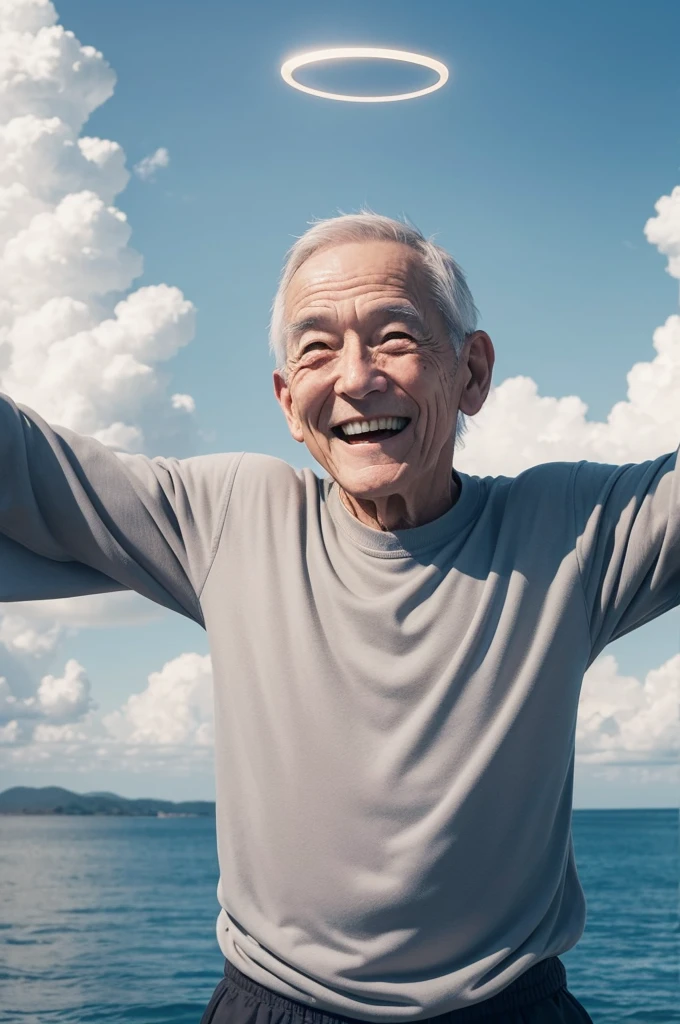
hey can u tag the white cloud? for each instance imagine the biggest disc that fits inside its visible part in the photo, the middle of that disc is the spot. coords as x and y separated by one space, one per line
30 631
66 270
45 157
183 402
624 719
93 611
50 745
518 428
58 700
146 168
26 15
7 699
44 69
168 724
663 231
175 709
20 636
9 733
46 734
65 698
65 258
76 249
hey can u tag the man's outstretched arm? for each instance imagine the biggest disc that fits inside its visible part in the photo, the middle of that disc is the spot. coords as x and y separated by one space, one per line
100 521
627 543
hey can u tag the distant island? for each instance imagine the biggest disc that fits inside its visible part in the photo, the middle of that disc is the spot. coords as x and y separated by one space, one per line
54 800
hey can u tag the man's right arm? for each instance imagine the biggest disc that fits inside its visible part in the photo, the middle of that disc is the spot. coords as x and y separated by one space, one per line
77 518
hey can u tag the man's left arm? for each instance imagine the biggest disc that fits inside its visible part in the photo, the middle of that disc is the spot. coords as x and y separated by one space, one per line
26 576
627 543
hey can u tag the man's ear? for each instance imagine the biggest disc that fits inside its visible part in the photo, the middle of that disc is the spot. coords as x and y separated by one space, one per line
285 400
480 359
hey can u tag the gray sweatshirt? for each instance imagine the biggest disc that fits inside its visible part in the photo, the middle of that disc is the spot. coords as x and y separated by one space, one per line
394 712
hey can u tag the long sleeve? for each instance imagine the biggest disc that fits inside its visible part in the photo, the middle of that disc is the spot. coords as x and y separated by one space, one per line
77 518
628 543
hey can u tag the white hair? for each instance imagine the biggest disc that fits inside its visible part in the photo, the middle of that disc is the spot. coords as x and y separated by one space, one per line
444 279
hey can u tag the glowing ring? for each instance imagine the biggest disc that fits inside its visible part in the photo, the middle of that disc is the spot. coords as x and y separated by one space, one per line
345 52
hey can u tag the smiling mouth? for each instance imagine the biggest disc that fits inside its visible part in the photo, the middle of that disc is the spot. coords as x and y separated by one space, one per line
370 436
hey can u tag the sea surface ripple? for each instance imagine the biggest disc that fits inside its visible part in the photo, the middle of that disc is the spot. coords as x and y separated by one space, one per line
112 920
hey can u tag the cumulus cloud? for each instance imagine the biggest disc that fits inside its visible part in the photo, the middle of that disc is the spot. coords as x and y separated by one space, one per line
9 733
66 264
30 632
175 709
167 724
146 168
45 70
20 636
95 611
663 231
77 342
35 627
59 700
183 402
627 720
65 698
518 428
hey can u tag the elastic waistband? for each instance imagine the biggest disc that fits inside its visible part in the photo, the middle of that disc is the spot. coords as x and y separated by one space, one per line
540 981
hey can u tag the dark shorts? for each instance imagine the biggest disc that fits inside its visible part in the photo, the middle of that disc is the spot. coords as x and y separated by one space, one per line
539 996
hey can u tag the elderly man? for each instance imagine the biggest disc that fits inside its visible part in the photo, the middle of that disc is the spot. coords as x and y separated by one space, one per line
397 647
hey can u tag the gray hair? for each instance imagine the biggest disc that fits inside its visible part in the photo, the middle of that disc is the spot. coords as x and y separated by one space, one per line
444 279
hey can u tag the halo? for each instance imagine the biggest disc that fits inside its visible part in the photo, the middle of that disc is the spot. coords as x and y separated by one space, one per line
340 52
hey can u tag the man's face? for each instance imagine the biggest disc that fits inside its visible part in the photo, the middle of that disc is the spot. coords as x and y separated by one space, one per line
352 359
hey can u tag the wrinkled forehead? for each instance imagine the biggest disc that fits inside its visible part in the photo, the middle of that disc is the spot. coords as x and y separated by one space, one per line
356 272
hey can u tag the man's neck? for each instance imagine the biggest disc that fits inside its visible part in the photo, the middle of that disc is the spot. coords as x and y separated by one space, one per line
393 512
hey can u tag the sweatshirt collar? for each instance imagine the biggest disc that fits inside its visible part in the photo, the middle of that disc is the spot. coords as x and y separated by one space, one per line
403 543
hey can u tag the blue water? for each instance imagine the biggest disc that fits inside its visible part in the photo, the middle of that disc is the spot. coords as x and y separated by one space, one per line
113 919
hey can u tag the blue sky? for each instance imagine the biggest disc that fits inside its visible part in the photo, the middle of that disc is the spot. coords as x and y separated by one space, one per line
537 166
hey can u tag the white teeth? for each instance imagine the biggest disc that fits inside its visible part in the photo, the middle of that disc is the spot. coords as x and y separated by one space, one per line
384 423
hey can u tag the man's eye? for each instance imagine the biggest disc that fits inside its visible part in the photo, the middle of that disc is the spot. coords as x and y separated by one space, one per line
397 334
311 345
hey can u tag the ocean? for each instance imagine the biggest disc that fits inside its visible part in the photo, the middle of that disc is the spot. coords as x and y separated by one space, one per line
107 920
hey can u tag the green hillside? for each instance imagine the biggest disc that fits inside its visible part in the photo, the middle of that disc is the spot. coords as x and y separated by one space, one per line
55 800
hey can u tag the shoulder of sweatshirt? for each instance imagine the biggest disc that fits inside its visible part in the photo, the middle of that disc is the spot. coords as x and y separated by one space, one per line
546 485
266 472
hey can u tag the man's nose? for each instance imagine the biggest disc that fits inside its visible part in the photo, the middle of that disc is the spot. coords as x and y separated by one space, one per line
357 372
